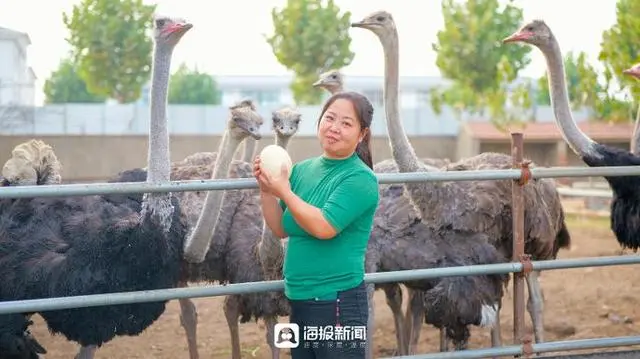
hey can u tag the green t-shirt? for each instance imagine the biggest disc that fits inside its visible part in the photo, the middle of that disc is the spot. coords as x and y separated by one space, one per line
346 191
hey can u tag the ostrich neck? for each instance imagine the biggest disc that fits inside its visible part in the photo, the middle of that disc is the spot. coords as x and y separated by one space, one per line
249 149
197 244
401 149
270 251
577 140
282 141
158 160
158 156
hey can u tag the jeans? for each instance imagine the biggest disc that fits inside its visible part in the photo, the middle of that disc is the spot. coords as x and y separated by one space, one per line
316 318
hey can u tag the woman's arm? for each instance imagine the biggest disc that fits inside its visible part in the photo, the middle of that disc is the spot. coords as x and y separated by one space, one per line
308 217
355 195
272 213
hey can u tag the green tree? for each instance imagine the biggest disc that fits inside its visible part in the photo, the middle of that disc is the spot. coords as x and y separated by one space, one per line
64 86
310 38
619 50
481 69
582 82
193 87
111 46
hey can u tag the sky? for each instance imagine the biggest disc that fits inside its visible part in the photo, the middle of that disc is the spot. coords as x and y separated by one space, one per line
242 24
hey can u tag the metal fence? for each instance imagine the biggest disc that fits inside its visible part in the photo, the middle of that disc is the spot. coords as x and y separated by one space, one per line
520 266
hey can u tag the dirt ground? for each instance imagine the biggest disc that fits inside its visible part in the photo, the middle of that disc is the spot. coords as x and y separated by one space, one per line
579 303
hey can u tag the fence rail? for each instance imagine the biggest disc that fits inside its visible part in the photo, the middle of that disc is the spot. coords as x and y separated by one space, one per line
86 189
520 264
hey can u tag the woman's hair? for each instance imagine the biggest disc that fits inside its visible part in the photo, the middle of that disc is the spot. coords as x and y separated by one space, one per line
364 114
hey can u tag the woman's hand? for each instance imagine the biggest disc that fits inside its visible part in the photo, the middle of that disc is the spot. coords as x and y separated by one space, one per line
277 186
257 172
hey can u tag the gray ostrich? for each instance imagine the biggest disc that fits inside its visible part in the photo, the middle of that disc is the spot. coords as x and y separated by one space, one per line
332 81
32 163
67 246
233 253
474 206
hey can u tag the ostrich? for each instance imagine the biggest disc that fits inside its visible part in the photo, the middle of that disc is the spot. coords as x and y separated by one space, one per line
332 81
56 247
32 163
475 206
16 342
624 205
233 255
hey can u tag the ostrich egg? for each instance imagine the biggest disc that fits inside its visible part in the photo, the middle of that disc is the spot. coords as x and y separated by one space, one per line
272 157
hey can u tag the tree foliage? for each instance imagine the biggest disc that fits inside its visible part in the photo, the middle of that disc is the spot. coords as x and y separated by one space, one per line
619 50
482 70
65 86
111 46
310 38
193 87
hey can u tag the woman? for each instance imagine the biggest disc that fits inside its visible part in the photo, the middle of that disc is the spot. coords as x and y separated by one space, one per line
326 209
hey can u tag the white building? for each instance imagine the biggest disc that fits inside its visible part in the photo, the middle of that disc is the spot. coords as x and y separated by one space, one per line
17 80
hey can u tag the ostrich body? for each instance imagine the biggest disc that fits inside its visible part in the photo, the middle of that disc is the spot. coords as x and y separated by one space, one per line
56 247
16 342
234 252
625 210
473 206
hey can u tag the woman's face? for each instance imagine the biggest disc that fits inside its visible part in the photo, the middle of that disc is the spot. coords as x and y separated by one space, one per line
339 131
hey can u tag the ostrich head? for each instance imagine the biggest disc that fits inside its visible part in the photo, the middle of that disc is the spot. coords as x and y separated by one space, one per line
633 71
380 23
330 81
286 121
168 31
244 121
535 33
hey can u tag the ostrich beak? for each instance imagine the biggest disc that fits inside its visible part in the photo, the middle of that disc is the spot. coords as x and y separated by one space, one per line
516 36
633 71
359 24
317 83
180 27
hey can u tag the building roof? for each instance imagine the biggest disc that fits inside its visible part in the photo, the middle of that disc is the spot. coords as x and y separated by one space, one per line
540 131
13 34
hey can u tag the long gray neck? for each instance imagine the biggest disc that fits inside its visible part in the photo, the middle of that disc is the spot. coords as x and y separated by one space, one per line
270 250
335 89
282 141
250 146
198 242
159 165
401 149
580 143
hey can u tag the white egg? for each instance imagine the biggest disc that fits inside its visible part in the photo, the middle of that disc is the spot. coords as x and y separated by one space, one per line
272 158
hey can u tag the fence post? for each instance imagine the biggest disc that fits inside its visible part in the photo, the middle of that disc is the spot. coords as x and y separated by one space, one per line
518 237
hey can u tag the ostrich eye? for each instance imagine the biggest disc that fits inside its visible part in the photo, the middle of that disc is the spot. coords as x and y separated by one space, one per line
380 18
160 23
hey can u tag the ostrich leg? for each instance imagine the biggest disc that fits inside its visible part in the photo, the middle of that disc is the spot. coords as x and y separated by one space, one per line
232 312
189 321
444 343
393 293
368 353
496 333
271 322
87 352
535 305
413 321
